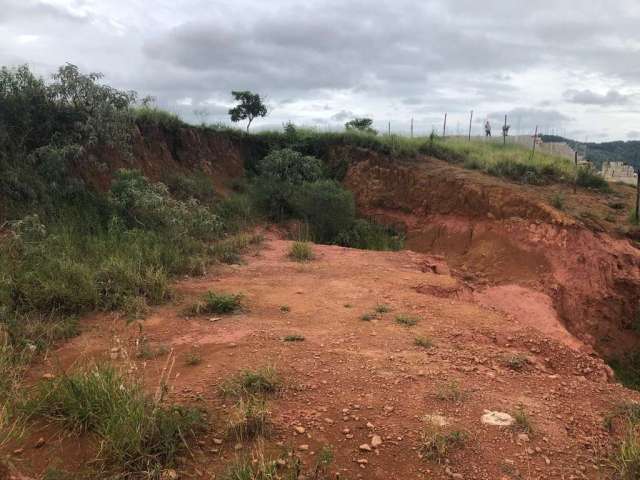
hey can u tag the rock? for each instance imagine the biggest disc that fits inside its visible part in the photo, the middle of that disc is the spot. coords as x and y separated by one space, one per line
362 461
303 447
365 447
376 441
48 376
523 437
498 419
217 441
370 425
39 443
18 451
299 429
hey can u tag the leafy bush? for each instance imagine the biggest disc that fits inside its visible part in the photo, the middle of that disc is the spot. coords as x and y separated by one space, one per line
589 178
194 185
212 302
328 208
369 236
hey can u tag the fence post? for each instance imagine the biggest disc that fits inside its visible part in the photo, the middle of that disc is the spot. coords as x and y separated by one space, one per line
535 137
411 127
575 183
470 120
389 127
444 127
504 131
637 213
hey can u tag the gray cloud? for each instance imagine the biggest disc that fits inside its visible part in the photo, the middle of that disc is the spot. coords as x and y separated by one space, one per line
633 135
588 97
393 61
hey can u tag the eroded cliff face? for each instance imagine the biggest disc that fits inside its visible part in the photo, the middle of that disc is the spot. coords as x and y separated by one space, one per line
495 234
159 153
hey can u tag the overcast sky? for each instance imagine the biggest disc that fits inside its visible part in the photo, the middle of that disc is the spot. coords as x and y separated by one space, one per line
571 66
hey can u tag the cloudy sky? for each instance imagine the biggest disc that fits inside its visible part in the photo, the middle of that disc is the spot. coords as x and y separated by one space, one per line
570 66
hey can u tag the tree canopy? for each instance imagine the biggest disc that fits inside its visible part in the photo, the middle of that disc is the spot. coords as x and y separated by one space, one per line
250 106
361 124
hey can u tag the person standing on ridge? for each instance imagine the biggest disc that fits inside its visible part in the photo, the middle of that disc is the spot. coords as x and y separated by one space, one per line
487 128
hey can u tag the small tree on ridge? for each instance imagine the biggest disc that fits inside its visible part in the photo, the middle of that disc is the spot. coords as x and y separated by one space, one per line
250 107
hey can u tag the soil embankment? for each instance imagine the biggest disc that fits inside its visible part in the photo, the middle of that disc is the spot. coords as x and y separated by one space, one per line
497 234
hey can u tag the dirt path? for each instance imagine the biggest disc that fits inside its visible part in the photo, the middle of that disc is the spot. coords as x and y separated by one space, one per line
351 379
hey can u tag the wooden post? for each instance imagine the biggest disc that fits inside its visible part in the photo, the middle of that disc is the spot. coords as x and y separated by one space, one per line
504 131
637 212
575 183
389 127
535 137
444 127
411 127
470 120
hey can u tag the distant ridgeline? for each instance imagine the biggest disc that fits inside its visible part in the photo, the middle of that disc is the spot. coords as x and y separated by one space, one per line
598 153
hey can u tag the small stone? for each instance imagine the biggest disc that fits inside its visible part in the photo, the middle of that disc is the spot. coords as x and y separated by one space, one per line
376 441
303 447
329 421
365 447
370 425
346 431
18 451
39 443
362 461
523 437
281 462
547 460
299 429
48 376
237 446
499 419
217 441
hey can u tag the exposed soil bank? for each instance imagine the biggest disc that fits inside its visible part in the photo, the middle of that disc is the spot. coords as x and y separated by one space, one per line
495 233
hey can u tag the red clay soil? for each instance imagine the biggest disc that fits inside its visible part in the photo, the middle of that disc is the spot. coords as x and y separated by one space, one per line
351 379
500 233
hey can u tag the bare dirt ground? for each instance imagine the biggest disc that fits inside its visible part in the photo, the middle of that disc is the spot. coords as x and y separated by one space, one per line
351 379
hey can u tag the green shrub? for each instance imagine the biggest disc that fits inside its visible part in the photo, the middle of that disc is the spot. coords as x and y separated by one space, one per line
589 178
406 320
327 207
191 185
557 201
137 434
301 252
147 116
370 236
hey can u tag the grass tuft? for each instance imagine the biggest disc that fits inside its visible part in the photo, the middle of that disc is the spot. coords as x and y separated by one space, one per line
249 418
215 303
406 320
523 421
293 338
137 434
424 342
451 392
516 362
262 381
436 444
381 308
301 252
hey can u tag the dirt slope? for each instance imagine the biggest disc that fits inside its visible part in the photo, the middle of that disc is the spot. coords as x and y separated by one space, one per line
500 233
351 379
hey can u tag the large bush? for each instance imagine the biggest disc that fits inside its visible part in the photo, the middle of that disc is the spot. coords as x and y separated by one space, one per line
281 173
327 207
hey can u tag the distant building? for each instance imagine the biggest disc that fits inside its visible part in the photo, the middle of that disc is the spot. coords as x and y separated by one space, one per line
619 172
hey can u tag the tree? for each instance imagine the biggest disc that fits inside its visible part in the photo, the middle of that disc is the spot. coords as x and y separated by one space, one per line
250 107
361 124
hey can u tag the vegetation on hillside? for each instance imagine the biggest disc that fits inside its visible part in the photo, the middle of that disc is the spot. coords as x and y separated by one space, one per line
598 153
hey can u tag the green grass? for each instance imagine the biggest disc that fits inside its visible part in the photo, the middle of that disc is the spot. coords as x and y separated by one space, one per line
293 338
451 392
436 444
249 418
424 342
516 362
407 320
626 458
557 201
301 252
285 308
215 303
137 434
192 359
262 381
523 422
381 308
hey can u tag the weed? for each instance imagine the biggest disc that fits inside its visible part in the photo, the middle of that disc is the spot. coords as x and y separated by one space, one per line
146 351
628 411
263 381
406 320
249 418
424 342
285 308
215 303
301 252
381 308
626 460
294 338
557 201
367 317
436 444
193 358
451 392
516 362
137 434
347 305
522 421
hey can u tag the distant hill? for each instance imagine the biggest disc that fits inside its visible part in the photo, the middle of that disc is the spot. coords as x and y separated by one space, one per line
597 153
